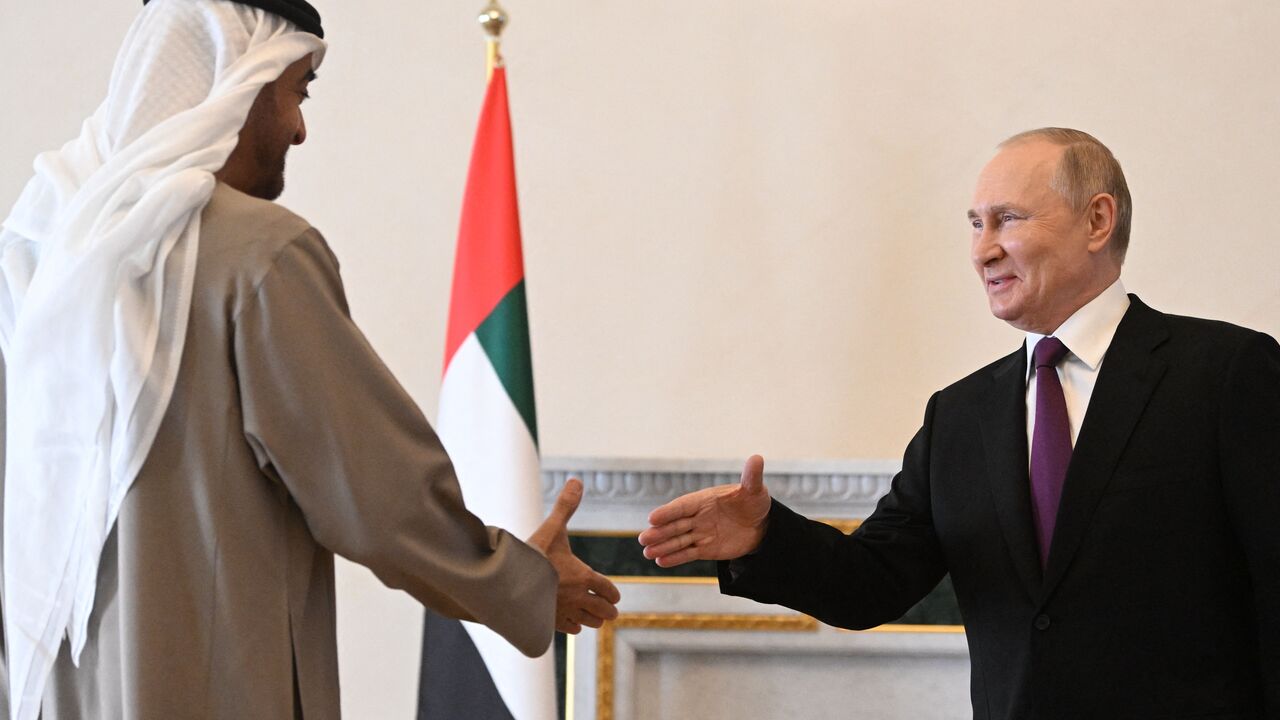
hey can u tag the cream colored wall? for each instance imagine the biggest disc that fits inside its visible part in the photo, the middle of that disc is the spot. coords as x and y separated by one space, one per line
744 221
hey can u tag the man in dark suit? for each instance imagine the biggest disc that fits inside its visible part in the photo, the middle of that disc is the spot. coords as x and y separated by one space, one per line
1106 497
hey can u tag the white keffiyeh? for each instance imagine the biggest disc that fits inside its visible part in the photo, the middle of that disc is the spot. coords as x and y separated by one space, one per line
97 260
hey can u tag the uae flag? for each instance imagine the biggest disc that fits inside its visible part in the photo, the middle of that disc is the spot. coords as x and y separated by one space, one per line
487 424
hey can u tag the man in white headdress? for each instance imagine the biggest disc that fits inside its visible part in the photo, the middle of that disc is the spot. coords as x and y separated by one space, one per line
194 425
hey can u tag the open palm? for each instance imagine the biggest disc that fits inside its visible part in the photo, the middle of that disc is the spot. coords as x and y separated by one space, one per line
718 523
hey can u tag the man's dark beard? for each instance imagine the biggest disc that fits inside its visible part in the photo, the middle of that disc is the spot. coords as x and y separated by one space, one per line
270 185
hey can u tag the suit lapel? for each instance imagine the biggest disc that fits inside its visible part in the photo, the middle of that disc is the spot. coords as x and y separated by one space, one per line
1129 374
1004 438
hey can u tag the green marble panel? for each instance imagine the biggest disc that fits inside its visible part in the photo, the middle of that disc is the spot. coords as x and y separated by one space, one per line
625 556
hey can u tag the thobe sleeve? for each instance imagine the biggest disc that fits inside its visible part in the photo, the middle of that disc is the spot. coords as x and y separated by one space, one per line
327 419
867 578
1250 458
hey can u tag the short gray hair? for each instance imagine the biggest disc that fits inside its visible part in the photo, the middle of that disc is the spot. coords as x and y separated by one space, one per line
1086 169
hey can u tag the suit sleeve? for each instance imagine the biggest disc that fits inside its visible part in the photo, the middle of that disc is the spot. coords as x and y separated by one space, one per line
325 416
1250 458
860 580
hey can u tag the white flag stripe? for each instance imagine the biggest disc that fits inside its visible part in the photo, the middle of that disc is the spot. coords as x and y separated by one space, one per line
497 465
491 449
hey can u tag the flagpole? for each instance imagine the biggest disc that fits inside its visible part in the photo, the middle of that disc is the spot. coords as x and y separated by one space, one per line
487 419
493 19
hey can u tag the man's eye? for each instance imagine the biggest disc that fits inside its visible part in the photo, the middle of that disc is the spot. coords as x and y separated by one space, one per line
977 224
1008 217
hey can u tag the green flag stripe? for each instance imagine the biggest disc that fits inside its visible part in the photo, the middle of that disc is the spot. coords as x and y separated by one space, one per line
504 335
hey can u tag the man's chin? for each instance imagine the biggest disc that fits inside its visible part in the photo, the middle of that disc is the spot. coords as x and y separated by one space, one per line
269 190
1002 311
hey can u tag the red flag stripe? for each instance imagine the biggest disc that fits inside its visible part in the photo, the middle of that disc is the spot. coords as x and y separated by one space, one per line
488 263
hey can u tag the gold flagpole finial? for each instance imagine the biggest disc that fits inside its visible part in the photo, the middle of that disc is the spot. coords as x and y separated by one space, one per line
494 20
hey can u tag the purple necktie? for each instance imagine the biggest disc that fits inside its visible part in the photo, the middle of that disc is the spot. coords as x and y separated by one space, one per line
1050 443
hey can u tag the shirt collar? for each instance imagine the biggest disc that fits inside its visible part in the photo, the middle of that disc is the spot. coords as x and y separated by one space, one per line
1088 332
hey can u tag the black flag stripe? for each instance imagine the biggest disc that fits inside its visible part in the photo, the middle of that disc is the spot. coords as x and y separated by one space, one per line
454 683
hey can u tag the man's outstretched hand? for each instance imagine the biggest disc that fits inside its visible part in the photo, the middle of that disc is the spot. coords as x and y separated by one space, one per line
718 523
584 597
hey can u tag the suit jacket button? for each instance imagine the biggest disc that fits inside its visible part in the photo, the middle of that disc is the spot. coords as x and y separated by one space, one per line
1042 622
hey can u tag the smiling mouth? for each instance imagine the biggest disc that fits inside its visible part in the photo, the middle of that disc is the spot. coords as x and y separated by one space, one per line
1000 281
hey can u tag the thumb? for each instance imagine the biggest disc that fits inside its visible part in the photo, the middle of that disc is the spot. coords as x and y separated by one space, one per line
753 475
566 503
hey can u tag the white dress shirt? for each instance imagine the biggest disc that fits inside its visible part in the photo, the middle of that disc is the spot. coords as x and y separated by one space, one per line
1087 335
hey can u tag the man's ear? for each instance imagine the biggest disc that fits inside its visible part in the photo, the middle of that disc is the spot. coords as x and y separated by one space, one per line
1101 216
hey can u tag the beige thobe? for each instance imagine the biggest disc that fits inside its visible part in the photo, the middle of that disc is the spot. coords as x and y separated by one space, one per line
286 441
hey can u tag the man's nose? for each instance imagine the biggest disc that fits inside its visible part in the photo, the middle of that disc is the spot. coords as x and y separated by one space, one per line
300 135
986 248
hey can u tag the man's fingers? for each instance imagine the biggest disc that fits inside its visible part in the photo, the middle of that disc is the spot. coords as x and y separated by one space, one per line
681 507
591 610
568 627
602 586
655 535
586 618
589 620
679 557
753 475
678 542
567 502
598 607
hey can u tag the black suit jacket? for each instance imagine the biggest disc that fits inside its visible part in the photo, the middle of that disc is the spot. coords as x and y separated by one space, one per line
1161 597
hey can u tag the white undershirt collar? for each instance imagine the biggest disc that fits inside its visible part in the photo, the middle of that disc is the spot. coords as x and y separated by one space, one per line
1088 332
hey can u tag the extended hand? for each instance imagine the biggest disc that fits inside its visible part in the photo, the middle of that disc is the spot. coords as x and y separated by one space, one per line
584 597
718 523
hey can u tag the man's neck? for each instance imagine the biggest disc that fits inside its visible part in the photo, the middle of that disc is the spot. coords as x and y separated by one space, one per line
1085 297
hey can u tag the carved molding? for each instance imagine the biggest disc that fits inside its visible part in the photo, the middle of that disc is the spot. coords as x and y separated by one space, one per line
619 493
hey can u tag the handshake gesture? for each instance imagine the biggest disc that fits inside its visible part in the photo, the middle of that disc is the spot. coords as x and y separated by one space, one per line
717 523
584 596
